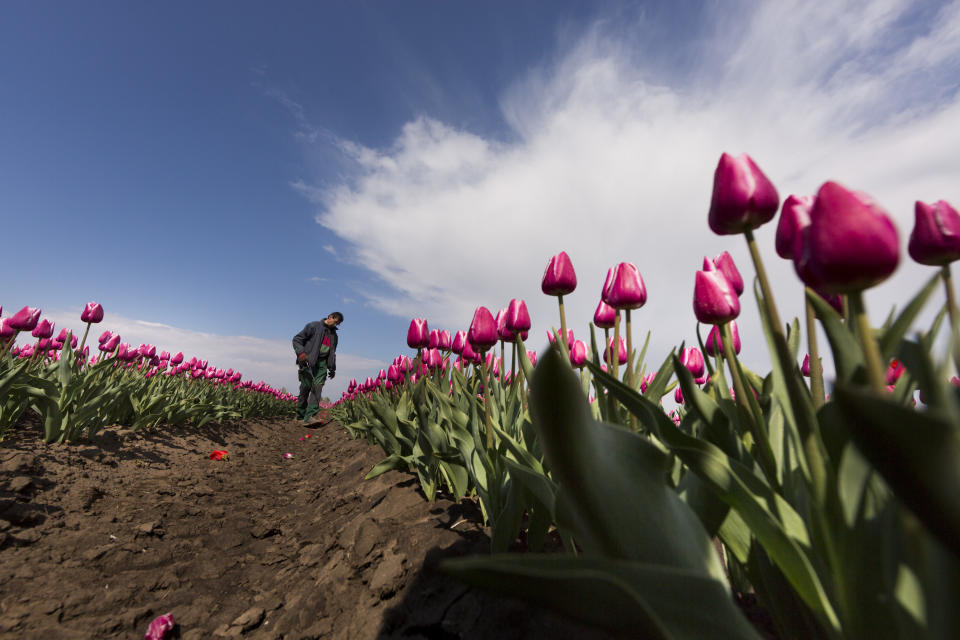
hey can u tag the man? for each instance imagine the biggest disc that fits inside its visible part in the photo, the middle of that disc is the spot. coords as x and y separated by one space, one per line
316 349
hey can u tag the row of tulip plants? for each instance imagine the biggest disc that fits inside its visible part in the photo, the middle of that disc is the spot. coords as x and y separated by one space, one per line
76 395
838 511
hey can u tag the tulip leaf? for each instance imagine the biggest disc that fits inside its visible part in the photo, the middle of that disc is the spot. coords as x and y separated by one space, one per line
642 600
892 336
388 464
918 454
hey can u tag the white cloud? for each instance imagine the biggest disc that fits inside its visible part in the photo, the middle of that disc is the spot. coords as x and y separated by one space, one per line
610 165
256 358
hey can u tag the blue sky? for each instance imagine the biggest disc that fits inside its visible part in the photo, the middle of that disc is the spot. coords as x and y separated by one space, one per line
218 174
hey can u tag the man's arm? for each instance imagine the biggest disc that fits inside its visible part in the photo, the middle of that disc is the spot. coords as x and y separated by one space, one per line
332 356
300 340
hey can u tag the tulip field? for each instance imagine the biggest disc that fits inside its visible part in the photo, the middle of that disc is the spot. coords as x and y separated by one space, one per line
829 497
76 395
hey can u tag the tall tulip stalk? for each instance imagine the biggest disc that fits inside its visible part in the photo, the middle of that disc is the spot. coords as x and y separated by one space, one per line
559 279
483 335
624 290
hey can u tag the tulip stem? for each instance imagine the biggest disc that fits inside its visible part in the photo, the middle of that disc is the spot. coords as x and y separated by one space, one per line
615 347
564 349
606 342
634 420
764 284
954 314
84 341
486 400
816 371
875 368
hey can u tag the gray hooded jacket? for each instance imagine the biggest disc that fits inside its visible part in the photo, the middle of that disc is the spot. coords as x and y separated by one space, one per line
312 338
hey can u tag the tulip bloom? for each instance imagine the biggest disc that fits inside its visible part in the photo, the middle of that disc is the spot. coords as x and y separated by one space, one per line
483 330
851 244
44 329
578 354
503 332
433 339
552 337
163 625
621 352
624 288
894 371
443 340
794 218
459 340
26 319
418 335
714 344
935 239
743 197
678 395
724 263
714 299
92 313
692 359
518 318
559 278
604 316
6 330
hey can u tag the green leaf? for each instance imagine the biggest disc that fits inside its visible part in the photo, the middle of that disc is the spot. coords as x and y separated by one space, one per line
641 600
388 464
892 336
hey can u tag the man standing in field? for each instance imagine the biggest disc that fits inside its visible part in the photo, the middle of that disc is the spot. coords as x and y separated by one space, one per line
316 349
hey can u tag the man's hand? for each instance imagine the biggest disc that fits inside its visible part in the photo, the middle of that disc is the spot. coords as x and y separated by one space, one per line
332 375
302 357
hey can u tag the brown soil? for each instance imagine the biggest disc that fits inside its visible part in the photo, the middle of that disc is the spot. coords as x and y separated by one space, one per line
99 538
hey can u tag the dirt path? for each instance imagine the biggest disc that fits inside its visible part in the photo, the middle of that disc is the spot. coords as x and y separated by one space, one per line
97 539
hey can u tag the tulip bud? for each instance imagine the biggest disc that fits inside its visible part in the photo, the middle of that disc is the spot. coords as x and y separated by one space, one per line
148 350
26 319
692 359
6 330
794 218
935 239
459 340
177 358
393 374
605 316
552 337
647 380
418 335
743 197
44 329
621 352
714 299
444 340
559 278
503 332
483 330
850 245
162 626
110 343
382 374
578 354
714 344
724 263
468 353
678 395
92 313
532 357
164 355
518 318
406 364
104 337
433 339
624 288
894 371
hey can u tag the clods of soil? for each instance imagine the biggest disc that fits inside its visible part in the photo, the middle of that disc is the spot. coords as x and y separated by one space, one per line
99 538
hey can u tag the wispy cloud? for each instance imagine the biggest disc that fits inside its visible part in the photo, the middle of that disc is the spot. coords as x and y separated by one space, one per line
611 158
319 279
256 358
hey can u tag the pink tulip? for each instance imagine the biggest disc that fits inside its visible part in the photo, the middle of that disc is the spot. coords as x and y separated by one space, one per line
468 353
483 330
518 318
111 343
604 316
434 339
44 329
743 197
160 628
532 357
578 354
935 239
724 263
553 338
26 319
647 380
714 344
714 299
459 340
503 332
678 395
6 330
393 374
692 359
382 374
624 288
894 371
444 340
851 243
621 352
794 218
177 358
559 278
164 355
418 335
104 337
92 313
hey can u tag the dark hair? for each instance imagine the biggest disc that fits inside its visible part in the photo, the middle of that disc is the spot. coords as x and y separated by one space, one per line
336 315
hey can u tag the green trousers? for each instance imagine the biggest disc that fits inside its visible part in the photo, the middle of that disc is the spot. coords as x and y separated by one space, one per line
311 385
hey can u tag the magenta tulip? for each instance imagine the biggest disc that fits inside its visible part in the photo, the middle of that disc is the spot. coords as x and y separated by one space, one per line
794 218
483 330
44 329
164 355
692 359
532 357
604 316
553 338
26 319
443 341
714 299
621 352
92 313
518 318
503 332
6 330
559 278
724 263
743 197
935 239
714 344
110 343
177 358
894 371
578 354
468 353
418 335
851 243
678 395
433 339
459 340
104 337
624 288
